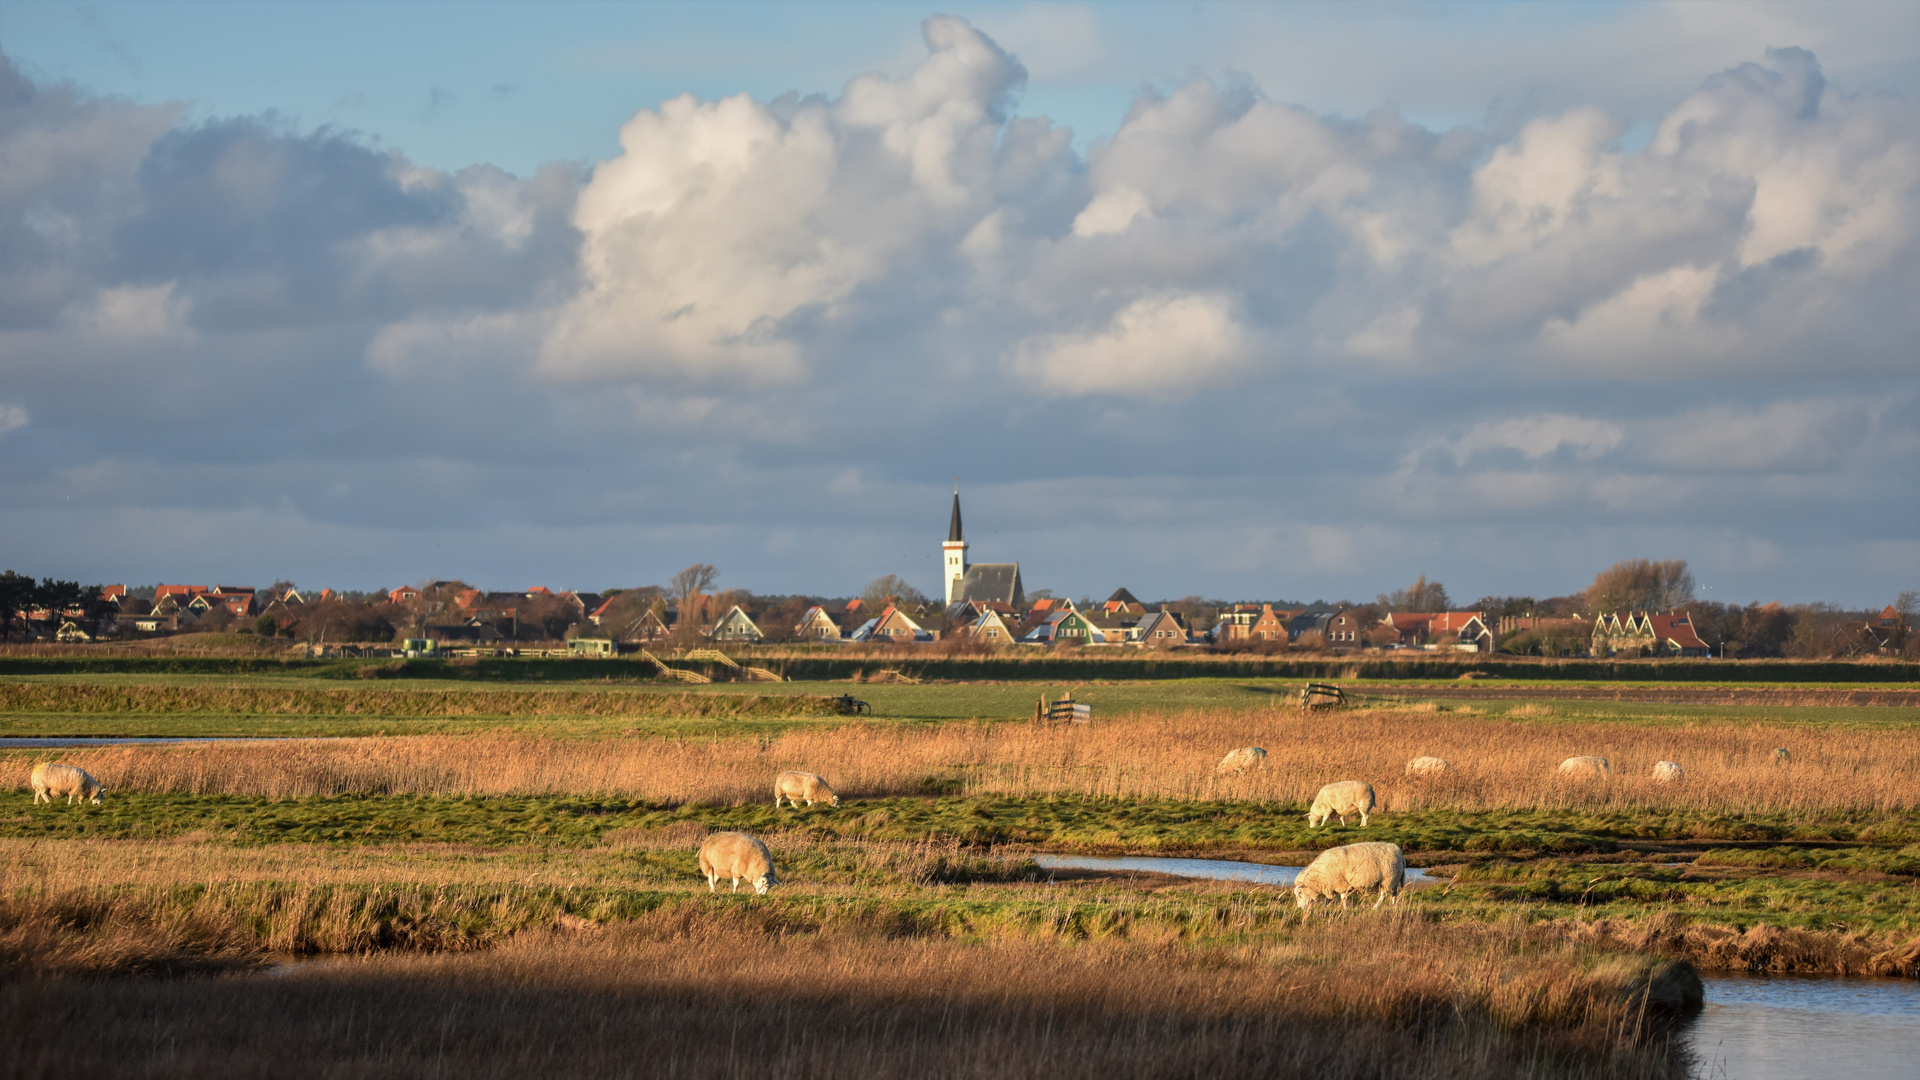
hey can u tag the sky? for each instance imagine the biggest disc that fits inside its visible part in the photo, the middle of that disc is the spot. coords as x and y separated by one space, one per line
1243 300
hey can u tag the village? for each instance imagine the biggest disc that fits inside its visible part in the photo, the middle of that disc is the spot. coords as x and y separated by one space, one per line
983 607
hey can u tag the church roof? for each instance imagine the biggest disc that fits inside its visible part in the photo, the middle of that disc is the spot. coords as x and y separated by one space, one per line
954 533
992 581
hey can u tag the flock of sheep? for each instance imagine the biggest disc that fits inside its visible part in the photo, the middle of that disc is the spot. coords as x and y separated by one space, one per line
1363 868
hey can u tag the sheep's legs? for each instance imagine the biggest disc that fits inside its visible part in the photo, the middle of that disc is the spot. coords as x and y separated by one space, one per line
1363 819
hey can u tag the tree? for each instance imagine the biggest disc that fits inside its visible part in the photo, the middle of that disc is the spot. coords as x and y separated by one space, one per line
94 608
1501 607
1908 604
56 597
1422 595
1640 585
16 596
691 582
892 589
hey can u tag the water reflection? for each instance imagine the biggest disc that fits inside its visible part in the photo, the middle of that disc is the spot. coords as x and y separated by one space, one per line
1213 869
1786 1027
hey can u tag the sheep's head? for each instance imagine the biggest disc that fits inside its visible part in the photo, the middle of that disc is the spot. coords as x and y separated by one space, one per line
1302 897
92 793
764 882
834 801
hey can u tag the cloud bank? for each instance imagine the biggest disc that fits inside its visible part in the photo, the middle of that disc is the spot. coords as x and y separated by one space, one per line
1238 348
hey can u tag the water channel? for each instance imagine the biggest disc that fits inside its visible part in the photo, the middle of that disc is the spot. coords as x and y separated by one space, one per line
1781 1027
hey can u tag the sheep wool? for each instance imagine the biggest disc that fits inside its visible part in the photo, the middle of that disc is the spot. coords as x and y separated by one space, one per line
1667 771
1586 768
1354 868
794 786
52 778
1341 798
1247 757
737 855
1427 766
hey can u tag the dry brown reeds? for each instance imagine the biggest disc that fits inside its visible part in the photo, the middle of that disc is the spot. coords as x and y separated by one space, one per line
716 990
143 700
1497 763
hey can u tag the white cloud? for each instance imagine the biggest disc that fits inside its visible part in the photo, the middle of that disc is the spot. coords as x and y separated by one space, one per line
1534 437
134 314
11 417
1159 346
1788 435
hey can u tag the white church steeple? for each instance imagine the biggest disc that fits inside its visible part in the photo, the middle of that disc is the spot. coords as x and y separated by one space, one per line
954 552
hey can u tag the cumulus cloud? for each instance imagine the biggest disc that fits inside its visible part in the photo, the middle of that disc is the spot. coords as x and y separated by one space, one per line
1325 334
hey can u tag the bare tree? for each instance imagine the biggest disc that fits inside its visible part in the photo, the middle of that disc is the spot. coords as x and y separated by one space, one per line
892 589
1640 585
1422 595
691 582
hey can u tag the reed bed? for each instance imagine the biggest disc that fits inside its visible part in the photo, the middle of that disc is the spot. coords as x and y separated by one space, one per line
726 990
1497 763
151 700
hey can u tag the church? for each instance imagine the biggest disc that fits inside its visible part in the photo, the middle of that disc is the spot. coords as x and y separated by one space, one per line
995 582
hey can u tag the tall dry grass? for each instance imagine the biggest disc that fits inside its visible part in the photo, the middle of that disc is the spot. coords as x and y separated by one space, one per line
145 700
709 990
1498 763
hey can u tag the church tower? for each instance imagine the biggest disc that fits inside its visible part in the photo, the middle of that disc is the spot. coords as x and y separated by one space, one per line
954 551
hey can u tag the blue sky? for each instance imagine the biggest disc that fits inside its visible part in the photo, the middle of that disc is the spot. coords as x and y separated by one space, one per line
1243 300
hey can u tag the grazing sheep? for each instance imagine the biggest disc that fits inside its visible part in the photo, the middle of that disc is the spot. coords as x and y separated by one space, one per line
1427 766
1341 798
1667 771
1354 868
52 778
794 786
1247 757
1780 755
737 855
1586 768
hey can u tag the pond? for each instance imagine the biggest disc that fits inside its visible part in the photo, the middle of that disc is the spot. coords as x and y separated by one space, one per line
1786 1026
1213 869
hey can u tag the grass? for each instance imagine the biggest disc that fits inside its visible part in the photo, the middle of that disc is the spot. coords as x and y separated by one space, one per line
261 705
1500 763
732 988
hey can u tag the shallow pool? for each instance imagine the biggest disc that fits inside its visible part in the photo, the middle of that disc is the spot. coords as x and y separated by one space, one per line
1213 869
1786 1027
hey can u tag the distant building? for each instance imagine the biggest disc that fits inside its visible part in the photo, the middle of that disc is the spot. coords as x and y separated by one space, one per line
971 581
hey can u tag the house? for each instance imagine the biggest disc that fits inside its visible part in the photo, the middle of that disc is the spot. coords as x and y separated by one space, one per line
403 594
1160 630
184 592
1114 627
1411 628
1123 602
736 625
115 594
1310 627
1645 634
1552 636
1348 628
1064 627
816 625
991 626
976 581
537 590
591 646
595 614
1245 622
1882 633
891 627
1467 631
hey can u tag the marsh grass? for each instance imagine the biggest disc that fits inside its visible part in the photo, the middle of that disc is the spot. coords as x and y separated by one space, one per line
721 990
1498 763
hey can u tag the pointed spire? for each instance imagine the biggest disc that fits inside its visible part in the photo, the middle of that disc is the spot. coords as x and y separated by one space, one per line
954 534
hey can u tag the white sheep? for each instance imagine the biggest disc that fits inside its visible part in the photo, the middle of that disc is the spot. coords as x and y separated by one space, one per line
1341 798
1427 766
1667 771
1586 768
794 786
1354 868
1247 757
52 778
737 855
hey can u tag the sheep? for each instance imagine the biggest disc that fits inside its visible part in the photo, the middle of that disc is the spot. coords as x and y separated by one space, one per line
1247 757
1667 771
1427 766
1354 868
737 855
794 786
1585 768
52 778
1342 798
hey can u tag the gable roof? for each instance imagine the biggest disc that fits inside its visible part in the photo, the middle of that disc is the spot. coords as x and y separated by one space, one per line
992 581
1122 596
1677 628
